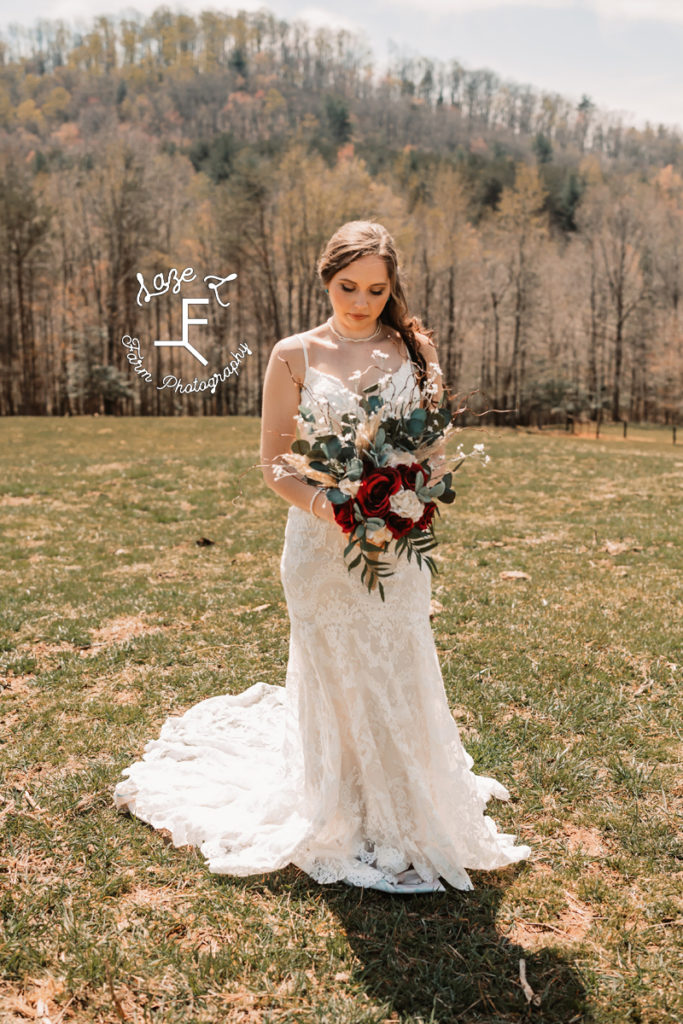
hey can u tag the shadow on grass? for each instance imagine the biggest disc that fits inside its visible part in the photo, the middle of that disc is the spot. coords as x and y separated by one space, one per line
440 957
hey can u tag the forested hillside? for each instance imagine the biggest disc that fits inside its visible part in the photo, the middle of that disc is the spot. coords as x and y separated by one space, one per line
541 240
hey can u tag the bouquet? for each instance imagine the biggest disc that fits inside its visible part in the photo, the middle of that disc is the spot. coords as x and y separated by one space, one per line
383 469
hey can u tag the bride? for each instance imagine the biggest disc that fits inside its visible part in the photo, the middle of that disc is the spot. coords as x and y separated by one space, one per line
353 770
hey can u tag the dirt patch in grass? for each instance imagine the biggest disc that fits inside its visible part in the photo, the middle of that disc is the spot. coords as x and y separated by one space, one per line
18 685
123 628
108 467
38 1000
165 898
569 927
586 840
17 500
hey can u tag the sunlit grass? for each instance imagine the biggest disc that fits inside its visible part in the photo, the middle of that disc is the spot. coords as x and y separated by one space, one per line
565 683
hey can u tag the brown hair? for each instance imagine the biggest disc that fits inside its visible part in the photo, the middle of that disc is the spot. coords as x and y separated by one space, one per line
358 238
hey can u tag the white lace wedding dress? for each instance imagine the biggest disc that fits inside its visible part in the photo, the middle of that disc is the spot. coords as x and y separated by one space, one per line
354 769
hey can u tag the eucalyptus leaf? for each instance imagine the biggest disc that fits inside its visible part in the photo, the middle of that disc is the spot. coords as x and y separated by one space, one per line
334 446
336 496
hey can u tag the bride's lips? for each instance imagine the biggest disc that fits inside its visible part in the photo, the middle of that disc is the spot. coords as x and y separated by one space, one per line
358 316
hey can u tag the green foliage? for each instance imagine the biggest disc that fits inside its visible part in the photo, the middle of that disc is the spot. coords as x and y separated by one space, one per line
573 188
565 186
237 61
486 177
40 162
338 121
215 157
557 396
108 382
542 148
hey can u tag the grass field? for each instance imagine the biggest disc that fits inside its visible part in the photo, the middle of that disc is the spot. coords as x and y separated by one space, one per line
565 683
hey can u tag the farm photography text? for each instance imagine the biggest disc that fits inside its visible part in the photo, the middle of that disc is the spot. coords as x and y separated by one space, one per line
173 282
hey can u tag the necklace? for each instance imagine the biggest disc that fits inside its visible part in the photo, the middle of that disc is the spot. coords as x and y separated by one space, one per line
341 337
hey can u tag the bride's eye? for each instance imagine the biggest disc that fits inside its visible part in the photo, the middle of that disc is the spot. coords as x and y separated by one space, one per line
345 289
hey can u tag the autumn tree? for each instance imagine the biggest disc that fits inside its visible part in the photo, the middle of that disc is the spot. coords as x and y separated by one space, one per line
524 223
611 222
24 227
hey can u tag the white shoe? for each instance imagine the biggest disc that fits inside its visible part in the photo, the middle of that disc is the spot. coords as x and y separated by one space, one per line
410 882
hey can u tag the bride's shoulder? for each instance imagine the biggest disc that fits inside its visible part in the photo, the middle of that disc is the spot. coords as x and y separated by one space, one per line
290 350
296 342
288 344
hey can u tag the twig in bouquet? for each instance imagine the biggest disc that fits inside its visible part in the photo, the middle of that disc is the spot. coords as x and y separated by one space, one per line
473 412
328 417
299 467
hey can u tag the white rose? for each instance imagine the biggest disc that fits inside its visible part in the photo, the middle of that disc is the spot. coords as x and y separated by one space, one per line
379 536
397 458
349 487
407 504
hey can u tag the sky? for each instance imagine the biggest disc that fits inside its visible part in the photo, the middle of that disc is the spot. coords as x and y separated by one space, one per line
626 55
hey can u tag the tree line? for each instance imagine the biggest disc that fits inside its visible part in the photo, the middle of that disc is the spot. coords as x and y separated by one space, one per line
541 241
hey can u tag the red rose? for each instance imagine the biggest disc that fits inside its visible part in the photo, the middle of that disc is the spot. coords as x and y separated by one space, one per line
425 520
398 525
409 474
343 515
376 489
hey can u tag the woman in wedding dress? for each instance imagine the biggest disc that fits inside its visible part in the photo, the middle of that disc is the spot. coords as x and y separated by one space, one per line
353 770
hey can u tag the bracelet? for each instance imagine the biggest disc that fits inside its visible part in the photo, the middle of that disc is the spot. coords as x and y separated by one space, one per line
318 490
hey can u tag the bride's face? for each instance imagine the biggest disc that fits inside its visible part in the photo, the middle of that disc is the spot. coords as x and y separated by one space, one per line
359 293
